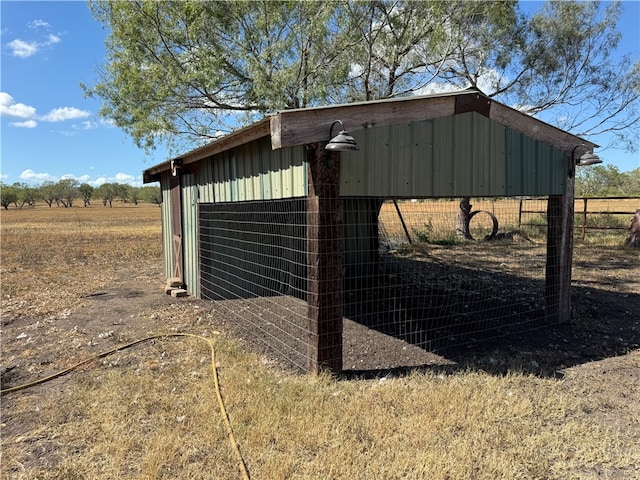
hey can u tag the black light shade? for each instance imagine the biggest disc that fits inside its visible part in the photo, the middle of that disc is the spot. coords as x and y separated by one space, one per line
588 159
342 142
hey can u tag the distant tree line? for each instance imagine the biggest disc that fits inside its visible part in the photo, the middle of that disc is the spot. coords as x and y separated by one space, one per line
68 191
607 181
596 181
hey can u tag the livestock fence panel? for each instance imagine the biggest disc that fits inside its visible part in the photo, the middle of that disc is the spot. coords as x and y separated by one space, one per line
408 276
606 217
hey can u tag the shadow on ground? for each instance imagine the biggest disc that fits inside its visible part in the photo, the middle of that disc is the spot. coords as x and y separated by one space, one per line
604 324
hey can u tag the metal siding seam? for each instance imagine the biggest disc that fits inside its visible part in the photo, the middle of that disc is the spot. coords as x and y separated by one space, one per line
167 229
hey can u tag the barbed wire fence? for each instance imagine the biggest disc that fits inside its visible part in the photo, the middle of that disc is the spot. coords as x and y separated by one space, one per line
407 273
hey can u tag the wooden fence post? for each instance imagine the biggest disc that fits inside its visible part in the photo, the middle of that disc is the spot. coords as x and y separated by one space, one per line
325 265
560 211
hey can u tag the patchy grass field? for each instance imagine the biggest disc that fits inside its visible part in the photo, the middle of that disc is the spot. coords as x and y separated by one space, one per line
76 282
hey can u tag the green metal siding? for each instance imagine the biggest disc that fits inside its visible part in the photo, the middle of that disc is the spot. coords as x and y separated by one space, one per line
460 155
167 227
189 200
533 167
204 180
256 172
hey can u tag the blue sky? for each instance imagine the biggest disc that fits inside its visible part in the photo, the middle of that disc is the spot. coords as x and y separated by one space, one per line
50 131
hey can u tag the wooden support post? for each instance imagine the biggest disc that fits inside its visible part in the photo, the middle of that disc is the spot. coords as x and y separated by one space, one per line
325 266
560 211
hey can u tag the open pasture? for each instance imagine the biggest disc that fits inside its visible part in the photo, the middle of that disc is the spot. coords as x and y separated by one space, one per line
76 282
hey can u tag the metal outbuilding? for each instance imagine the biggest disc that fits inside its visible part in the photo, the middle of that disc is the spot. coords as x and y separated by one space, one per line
460 144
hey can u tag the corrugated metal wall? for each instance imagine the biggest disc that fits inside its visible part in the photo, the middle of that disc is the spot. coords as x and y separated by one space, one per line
167 226
249 172
533 167
189 200
253 172
460 155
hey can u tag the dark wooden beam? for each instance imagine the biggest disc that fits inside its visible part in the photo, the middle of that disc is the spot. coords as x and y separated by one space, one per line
306 126
536 129
240 137
325 265
560 210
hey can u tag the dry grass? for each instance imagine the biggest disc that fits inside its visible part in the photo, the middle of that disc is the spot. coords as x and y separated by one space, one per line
48 254
439 216
150 412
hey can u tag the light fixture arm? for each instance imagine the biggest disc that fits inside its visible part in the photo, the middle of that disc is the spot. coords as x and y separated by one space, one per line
333 125
584 160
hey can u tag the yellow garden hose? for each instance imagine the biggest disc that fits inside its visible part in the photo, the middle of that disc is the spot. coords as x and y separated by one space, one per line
223 410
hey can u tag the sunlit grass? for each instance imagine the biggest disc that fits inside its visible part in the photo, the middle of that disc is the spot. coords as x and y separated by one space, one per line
50 252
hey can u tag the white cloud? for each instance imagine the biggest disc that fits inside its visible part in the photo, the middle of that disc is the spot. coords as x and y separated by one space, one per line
99 181
28 48
9 107
31 176
25 124
123 178
35 24
86 125
65 113
22 49
52 39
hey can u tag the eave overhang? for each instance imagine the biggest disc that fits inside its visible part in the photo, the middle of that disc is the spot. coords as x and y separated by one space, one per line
306 126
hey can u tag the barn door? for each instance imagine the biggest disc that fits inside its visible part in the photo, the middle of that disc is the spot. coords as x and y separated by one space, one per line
176 222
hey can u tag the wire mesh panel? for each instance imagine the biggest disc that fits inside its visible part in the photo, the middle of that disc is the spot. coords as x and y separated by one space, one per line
253 262
433 275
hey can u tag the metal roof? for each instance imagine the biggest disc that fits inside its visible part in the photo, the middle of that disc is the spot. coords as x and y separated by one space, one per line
311 125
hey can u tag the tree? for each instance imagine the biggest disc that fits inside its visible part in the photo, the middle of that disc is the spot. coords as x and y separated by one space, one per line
599 181
122 191
134 194
67 191
188 70
26 195
48 192
554 61
86 191
194 69
151 194
107 192
8 195
631 182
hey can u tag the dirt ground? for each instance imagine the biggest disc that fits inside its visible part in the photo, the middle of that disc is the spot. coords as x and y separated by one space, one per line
596 355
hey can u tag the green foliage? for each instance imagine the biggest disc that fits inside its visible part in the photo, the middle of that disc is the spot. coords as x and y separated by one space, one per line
426 235
86 191
64 192
151 194
631 183
68 191
180 71
48 192
8 195
606 181
26 195
107 192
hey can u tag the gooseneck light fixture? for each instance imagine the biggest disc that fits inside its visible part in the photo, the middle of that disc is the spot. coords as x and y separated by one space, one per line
584 160
342 142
